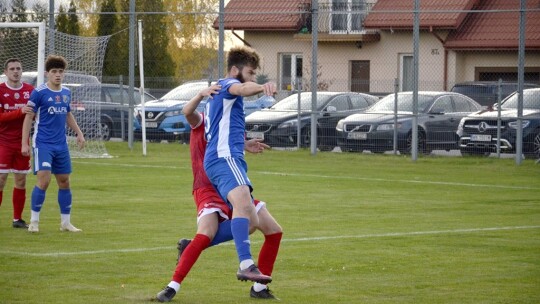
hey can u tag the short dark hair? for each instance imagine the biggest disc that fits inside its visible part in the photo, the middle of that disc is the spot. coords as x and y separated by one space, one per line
10 60
55 62
243 56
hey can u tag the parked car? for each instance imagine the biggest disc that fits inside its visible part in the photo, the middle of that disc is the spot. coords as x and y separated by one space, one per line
164 119
439 114
278 125
112 103
478 132
486 93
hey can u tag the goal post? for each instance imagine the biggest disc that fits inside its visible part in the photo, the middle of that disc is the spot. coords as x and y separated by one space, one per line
40 64
31 42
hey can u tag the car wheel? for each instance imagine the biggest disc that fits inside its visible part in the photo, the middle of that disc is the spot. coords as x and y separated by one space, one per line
106 130
535 146
422 147
306 137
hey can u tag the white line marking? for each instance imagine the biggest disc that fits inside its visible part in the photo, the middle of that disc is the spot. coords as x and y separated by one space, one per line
331 177
322 238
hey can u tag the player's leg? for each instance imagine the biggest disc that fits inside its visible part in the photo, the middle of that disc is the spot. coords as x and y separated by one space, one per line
229 176
267 256
5 161
21 168
61 168
42 169
3 180
19 199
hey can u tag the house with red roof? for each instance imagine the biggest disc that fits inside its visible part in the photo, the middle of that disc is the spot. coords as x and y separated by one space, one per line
364 45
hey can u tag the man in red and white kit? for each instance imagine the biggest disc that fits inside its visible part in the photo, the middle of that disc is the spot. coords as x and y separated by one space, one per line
14 95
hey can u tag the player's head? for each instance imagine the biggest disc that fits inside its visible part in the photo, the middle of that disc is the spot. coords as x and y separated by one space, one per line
242 62
55 62
13 70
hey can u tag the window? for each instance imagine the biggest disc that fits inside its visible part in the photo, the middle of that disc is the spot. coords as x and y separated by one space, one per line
291 71
347 16
340 102
406 72
442 105
359 102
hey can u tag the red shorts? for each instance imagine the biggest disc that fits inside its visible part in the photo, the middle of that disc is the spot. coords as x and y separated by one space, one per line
208 201
12 161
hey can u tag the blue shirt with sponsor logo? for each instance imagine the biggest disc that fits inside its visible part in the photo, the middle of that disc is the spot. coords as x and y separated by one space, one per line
51 108
224 123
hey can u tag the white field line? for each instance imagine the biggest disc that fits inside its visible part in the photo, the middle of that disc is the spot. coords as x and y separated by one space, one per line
333 177
295 240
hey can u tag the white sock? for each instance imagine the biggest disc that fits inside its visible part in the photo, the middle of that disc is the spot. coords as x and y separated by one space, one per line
34 216
246 263
259 287
65 219
174 285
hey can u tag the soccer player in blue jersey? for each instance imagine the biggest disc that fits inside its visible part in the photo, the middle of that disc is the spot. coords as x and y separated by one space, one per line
51 109
224 158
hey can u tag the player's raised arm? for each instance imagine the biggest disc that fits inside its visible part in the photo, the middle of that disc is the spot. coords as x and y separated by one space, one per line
190 109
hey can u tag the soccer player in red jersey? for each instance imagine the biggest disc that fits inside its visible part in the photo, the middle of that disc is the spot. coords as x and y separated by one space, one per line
13 97
213 219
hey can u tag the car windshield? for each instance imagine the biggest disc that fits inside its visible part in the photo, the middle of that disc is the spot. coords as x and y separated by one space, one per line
291 103
531 100
405 103
185 91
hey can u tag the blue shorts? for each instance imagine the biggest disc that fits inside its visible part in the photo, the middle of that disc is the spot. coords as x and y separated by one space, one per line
226 174
56 161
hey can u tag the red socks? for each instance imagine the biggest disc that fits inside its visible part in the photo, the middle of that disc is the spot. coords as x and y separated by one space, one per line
268 254
19 198
190 256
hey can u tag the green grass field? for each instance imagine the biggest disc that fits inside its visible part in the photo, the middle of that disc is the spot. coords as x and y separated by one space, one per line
358 228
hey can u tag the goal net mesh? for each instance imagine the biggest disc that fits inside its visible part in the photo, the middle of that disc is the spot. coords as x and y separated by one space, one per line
85 63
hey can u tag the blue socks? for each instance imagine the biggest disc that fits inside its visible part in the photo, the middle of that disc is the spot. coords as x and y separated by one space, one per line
38 197
64 200
224 233
240 232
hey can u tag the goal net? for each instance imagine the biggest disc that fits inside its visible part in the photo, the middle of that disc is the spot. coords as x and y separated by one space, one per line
32 42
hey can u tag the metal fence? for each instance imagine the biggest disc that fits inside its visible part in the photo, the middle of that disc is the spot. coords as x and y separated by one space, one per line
441 62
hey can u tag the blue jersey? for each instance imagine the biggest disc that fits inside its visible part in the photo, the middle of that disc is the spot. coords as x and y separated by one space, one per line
51 108
224 123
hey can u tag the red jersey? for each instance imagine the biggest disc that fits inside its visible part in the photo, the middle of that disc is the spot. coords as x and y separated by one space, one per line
197 147
11 118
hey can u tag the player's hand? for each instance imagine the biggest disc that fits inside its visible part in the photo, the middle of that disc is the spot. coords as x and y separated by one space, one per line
27 110
255 145
25 149
269 89
80 141
211 90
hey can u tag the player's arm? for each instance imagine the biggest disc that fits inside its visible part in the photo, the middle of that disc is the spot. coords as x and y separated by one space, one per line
255 145
27 126
250 88
190 109
14 115
72 124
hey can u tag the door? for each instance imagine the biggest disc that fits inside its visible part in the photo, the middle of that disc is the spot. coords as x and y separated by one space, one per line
360 76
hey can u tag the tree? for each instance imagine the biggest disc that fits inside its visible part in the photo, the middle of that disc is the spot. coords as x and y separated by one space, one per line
157 61
19 11
40 12
193 42
73 20
107 24
61 20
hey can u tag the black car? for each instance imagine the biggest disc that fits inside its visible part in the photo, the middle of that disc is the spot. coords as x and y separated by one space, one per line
478 132
439 114
110 102
486 93
278 125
